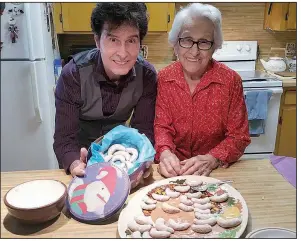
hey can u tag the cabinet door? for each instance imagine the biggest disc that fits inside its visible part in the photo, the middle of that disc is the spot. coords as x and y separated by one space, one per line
76 16
288 132
292 17
275 16
158 16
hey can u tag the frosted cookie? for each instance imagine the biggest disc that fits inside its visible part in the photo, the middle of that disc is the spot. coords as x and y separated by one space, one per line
146 235
136 234
202 211
161 198
154 233
114 148
201 200
144 220
161 226
177 226
205 228
169 208
182 188
202 206
133 226
148 207
194 195
202 216
171 193
148 200
186 201
194 183
228 223
186 208
134 154
211 221
220 198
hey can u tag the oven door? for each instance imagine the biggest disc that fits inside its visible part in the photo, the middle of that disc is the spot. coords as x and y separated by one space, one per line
265 143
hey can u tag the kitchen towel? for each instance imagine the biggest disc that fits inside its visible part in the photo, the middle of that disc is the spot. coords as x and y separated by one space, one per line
286 166
257 102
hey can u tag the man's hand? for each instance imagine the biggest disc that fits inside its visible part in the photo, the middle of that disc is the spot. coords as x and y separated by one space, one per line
199 165
169 165
77 168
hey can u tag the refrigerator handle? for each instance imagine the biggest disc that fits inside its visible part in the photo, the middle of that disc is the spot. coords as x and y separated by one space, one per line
35 92
29 31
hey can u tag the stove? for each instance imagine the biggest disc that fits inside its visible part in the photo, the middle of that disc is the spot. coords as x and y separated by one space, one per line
241 56
258 79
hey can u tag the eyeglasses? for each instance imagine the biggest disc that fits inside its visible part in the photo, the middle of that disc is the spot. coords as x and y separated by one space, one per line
203 44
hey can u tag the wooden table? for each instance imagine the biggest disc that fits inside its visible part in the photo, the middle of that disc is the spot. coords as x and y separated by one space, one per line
270 198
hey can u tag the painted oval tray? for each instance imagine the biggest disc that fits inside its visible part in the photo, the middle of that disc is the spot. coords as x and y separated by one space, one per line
234 207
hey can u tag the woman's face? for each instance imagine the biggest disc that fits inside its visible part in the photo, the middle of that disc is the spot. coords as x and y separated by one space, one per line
194 60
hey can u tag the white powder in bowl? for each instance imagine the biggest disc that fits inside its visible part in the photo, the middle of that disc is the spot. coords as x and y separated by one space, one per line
35 194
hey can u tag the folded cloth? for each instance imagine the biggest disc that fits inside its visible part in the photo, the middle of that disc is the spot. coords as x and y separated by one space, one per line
286 166
257 102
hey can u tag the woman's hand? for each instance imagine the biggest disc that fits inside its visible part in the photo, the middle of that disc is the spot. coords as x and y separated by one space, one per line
169 165
77 168
199 165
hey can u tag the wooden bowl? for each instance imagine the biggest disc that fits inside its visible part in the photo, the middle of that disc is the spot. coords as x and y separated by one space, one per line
36 201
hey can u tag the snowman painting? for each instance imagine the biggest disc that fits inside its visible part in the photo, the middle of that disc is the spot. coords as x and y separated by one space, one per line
92 196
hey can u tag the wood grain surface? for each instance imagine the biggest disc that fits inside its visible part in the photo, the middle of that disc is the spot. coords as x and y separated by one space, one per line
270 198
289 83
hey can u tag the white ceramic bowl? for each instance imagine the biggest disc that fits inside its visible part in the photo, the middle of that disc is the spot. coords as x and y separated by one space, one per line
272 232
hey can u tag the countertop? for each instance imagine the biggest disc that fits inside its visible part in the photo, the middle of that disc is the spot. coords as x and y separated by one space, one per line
289 83
286 82
271 201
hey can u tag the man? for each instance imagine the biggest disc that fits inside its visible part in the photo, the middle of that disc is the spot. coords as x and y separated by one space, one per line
99 89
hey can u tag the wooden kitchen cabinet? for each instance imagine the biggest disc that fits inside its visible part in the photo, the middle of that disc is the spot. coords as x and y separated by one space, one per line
286 144
75 17
292 17
280 16
159 16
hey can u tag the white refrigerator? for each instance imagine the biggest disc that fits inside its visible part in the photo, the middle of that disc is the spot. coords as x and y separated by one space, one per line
27 83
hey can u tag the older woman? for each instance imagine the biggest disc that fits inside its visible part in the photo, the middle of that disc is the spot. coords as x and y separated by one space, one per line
201 119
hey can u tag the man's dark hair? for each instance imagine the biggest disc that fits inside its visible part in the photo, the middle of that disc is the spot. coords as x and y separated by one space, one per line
116 14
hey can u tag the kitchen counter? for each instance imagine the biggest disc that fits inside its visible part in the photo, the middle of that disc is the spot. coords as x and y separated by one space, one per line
270 198
289 83
286 82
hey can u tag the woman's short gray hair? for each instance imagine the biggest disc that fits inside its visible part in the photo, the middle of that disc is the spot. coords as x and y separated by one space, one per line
195 11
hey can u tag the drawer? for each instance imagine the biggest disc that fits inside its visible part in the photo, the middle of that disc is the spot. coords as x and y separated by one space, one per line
290 97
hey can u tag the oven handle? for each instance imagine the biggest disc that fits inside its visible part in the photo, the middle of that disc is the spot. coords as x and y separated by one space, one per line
274 90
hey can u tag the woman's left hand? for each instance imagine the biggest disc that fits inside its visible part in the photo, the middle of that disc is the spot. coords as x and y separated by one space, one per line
199 165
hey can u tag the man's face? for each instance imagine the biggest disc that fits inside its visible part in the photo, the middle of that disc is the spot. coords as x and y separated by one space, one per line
119 49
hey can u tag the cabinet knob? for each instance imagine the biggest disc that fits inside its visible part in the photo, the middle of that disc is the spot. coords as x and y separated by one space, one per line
280 120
